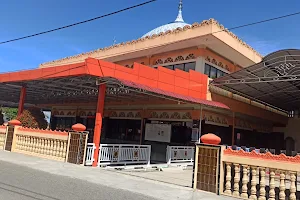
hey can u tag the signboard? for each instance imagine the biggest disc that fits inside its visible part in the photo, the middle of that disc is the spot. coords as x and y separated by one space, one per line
195 136
158 132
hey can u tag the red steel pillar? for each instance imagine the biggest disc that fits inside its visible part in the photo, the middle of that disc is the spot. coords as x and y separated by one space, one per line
22 100
98 121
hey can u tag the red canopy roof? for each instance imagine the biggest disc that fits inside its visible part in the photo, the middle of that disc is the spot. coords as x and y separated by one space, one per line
173 84
171 94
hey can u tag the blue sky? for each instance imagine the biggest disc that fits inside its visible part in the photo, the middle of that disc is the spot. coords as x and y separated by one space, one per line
20 18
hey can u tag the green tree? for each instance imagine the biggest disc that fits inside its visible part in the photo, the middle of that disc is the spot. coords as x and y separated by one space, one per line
10 113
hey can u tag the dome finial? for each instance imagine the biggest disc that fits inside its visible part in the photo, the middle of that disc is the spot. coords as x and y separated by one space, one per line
179 16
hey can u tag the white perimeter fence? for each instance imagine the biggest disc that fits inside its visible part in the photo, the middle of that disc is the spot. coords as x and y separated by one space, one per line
110 154
119 154
176 154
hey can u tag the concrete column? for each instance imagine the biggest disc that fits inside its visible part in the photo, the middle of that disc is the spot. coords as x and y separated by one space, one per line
98 121
200 65
22 100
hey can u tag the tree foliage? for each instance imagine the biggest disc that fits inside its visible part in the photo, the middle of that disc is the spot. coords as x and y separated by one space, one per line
10 113
33 118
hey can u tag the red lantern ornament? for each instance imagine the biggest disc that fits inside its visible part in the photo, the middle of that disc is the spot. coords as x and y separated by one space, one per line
14 122
210 139
79 127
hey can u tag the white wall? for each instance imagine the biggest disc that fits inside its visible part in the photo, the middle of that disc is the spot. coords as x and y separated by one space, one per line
291 130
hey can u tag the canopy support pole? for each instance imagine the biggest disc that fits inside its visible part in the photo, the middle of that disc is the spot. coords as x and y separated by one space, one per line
200 123
98 122
22 100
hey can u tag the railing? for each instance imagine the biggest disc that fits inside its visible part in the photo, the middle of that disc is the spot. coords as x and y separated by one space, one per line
177 154
41 143
89 159
252 175
124 154
2 136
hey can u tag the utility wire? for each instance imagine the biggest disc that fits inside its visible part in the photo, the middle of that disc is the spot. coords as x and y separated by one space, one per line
138 5
78 23
262 21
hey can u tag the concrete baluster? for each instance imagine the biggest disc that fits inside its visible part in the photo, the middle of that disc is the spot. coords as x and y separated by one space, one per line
262 190
272 185
282 186
228 179
245 182
18 142
39 146
30 144
293 186
22 142
22 138
25 143
64 149
42 146
61 148
236 186
47 146
57 148
253 184
51 147
54 148
34 144
43 149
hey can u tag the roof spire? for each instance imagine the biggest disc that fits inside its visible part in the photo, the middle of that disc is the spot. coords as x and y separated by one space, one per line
179 16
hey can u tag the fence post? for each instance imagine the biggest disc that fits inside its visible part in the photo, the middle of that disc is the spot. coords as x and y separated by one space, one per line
209 149
149 155
10 138
169 154
222 171
193 153
120 153
99 154
77 140
93 151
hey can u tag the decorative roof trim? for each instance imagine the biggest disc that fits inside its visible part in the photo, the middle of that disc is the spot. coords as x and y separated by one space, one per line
264 156
193 26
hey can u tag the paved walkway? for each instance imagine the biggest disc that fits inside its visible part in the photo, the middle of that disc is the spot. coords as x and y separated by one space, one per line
171 175
112 179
